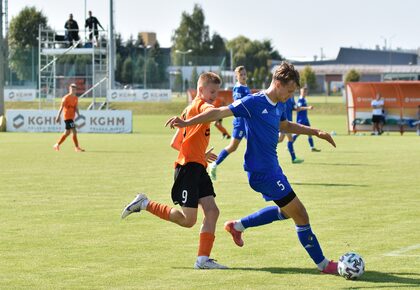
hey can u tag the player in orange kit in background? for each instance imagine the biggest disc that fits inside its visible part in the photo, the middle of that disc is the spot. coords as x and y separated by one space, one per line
69 107
220 102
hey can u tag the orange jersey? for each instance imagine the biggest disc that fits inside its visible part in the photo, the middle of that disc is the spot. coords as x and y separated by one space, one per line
69 104
195 138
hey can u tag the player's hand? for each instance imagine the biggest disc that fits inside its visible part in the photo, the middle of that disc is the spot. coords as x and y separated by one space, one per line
210 156
57 119
175 122
310 107
327 137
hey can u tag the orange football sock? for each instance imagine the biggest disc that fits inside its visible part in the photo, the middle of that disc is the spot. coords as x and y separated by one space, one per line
62 138
158 209
75 141
206 244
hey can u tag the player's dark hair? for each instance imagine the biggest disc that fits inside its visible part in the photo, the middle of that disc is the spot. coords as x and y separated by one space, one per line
209 78
286 72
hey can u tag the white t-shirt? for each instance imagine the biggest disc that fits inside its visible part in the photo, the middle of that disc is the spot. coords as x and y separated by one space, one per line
376 103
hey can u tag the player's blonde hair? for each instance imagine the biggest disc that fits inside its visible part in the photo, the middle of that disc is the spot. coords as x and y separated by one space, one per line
238 69
286 72
208 78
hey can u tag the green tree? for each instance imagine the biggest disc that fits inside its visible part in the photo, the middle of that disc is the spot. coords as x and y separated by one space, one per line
352 76
194 34
139 70
308 78
252 54
127 71
152 72
194 77
156 54
23 37
263 77
118 68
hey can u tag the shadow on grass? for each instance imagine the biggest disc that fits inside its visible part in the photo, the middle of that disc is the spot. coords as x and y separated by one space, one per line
369 276
112 152
340 164
329 184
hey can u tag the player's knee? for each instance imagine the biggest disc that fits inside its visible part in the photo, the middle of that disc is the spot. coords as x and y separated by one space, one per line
212 213
189 222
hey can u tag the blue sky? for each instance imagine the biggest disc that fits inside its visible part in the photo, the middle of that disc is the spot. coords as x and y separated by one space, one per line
298 29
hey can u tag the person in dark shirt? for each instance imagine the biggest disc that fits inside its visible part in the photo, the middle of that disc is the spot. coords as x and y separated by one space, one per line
92 23
72 30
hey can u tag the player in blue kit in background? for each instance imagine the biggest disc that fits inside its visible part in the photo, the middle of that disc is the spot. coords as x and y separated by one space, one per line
239 91
264 115
302 117
290 107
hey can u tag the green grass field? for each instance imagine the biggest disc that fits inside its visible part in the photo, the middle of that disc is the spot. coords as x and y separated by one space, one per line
61 229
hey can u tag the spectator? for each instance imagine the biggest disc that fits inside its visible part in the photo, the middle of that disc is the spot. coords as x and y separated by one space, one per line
72 30
378 118
92 23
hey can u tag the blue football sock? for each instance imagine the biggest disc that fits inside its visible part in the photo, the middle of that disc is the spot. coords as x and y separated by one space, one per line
222 155
291 150
310 243
311 141
264 216
295 137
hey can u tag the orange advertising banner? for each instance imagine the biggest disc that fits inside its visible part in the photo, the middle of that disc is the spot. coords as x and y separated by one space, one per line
401 105
224 97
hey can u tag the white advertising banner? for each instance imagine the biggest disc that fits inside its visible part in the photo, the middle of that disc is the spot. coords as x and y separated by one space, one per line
140 95
88 121
19 95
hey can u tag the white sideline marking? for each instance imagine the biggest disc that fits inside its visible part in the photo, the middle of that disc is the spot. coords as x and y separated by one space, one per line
401 252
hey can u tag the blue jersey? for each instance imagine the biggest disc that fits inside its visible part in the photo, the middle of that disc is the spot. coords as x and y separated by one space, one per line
290 106
239 91
262 120
302 116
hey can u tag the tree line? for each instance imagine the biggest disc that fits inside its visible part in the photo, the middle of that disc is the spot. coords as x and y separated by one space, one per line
134 60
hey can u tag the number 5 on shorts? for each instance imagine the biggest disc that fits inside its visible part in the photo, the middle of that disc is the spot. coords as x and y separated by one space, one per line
280 185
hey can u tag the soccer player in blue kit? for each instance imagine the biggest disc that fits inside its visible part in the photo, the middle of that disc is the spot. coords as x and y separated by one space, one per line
302 117
264 117
240 90
290 107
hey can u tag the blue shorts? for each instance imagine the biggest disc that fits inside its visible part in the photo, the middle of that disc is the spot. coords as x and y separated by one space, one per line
304 122
272 186
238 131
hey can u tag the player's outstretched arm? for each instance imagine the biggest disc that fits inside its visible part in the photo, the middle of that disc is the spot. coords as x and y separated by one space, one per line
326 136
298 109
210 115
289 127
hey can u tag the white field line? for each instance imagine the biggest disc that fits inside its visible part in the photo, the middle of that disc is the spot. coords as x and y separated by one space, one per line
402 252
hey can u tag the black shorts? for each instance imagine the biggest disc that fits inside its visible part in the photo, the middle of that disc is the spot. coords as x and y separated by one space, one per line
378 119
70 124
191 183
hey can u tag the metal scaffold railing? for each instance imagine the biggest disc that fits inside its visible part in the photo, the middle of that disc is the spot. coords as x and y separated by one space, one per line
57 71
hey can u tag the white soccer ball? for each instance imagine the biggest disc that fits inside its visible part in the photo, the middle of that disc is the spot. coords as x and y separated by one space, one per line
351 266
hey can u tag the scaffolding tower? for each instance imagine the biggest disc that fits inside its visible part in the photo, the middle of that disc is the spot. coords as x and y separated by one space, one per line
52 47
